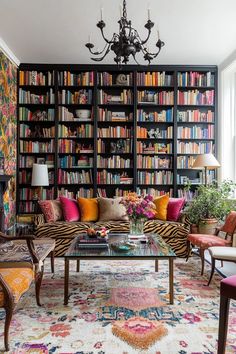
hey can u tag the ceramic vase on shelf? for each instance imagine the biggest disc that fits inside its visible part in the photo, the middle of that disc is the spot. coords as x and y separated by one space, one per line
137 226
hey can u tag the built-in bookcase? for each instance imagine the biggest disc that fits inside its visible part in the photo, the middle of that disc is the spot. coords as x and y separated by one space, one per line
108 131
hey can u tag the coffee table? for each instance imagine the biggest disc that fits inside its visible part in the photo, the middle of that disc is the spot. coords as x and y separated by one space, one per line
155 249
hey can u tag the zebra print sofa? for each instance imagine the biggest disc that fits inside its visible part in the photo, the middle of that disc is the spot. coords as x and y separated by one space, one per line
174 233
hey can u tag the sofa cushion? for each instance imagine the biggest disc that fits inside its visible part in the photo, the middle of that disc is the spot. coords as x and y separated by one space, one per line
51 210
161 204
174 208
70 209
111 209
88 209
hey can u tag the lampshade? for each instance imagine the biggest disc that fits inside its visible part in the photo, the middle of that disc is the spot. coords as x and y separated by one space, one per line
206 160
39 175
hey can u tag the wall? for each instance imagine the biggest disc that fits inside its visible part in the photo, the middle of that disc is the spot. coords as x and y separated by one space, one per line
8 102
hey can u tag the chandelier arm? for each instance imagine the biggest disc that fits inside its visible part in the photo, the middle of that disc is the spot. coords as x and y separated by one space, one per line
105 39
101 58
98 53
148 36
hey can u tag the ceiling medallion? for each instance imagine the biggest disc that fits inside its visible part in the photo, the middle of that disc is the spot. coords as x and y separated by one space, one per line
127 43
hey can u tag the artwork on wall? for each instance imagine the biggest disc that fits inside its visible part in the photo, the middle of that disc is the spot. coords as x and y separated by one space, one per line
8 120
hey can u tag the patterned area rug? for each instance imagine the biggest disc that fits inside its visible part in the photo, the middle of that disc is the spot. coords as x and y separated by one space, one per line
121 307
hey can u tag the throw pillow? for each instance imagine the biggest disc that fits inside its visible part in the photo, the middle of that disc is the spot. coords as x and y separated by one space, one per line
51 210
70 209
174 208
161 204
88 209
111 209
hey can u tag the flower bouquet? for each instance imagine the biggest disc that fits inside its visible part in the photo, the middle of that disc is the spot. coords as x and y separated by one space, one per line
138 209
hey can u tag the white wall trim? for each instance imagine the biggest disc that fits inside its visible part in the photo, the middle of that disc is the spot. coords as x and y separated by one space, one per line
7 51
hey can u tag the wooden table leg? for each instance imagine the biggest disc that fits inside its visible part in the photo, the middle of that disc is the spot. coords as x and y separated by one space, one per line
77 265
171 280
66 281
156 265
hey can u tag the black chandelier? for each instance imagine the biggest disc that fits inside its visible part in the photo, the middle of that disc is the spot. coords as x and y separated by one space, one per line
127 43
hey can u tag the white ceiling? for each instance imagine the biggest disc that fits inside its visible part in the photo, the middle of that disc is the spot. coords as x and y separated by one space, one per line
55 31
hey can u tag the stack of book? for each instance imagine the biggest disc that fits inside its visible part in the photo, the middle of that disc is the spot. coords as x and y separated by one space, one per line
97 242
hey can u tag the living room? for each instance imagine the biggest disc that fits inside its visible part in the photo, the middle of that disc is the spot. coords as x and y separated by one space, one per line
118 177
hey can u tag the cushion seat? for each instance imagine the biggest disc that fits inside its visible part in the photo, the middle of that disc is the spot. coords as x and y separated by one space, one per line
204 241
228 287
18 280
223 253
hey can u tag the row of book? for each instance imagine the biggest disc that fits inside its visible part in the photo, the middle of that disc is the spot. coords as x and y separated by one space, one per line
149 162
71 146
36 78
122 146
66 116
194 78
157 177
196 116
27 131
105 115
153 148
75 162
105 177
26 176
37 146
113 162
26 207
28 161
195 148
76 97
165 115
158 98
29 193
196 132
114 132
26 97
157 133
188 195
66 78
81 192
102 192
74 177
198 180
196 97
154 79
124 97
154 192
36 116
107 79
185 161
81 131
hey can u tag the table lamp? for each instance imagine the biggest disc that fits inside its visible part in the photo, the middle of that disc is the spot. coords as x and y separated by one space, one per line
39 179
206 161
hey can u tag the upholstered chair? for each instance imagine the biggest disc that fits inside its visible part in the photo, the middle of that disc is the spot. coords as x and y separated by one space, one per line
221 254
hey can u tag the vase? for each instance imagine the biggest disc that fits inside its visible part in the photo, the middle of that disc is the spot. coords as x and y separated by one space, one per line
136 226
207 226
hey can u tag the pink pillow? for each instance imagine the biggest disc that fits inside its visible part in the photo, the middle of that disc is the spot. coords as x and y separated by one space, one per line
174 208
51 210
70 209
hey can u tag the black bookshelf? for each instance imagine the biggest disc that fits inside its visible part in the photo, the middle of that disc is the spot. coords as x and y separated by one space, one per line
169 112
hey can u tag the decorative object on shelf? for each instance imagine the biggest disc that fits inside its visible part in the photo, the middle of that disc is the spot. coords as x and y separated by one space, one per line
122 80
127 43
39 179
83 113
206 161
138 209
122 246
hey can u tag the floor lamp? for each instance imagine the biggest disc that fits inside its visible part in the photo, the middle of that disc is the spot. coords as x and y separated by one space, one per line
206 161
39 179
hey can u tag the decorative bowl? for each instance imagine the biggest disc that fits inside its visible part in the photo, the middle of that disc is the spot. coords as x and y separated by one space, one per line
122 246
83 113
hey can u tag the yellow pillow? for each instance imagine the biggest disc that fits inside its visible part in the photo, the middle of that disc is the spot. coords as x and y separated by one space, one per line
161 204
88 209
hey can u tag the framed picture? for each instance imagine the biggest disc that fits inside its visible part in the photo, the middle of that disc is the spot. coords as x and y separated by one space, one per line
2 161
41 160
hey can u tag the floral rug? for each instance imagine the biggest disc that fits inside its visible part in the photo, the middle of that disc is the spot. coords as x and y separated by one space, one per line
121 307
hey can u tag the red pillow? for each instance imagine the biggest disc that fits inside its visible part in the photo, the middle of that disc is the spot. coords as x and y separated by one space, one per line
174 208
70 209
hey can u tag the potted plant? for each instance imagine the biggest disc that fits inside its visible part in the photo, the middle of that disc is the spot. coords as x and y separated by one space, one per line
210 206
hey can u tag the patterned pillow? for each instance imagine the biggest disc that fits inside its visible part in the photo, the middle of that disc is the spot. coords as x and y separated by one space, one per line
51 210
111 210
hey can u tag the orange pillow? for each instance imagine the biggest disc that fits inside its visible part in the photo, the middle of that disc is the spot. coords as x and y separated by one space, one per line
88 209
161 204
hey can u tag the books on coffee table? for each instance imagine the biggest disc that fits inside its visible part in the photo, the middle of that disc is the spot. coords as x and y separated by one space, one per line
98 242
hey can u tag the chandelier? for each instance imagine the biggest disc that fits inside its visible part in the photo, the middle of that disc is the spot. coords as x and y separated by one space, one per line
127 43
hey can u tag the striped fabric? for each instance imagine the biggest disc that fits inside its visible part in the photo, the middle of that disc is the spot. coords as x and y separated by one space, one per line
175 234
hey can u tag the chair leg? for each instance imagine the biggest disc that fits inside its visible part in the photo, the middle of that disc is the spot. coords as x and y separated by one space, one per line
223 323
213 263
38 282
52 256
9 312
222 264
201 252
188 250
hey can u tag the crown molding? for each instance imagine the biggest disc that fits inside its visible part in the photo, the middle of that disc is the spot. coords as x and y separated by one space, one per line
7 51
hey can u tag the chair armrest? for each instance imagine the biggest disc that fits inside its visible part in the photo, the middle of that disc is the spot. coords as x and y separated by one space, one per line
8 296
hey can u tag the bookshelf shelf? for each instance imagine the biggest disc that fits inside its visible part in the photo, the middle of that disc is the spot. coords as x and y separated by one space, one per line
153 98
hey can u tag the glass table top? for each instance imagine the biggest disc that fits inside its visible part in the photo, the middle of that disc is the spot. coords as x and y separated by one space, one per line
155 247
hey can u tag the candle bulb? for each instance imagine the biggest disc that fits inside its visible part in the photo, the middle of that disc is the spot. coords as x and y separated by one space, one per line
149 14
101 13
90 38
158 36
121 11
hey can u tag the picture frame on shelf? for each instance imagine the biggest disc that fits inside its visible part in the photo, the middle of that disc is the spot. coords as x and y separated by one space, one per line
40 160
